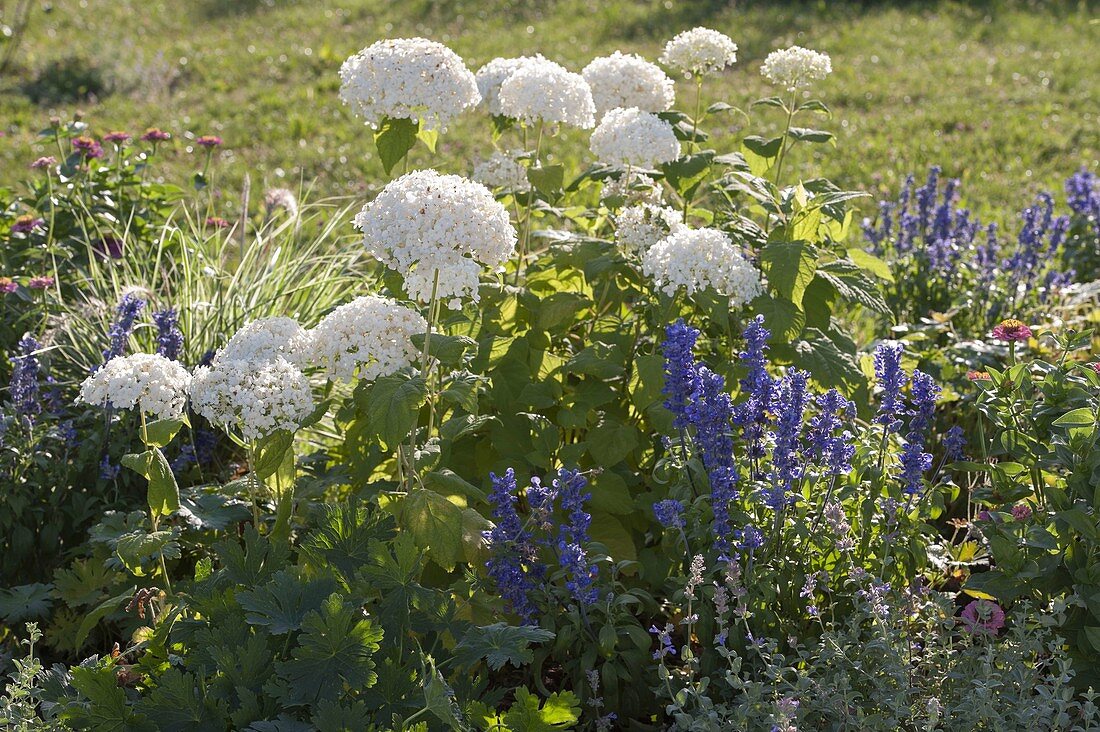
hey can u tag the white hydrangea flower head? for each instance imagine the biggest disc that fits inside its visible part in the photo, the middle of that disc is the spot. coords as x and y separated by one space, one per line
641 226
700 51
267 339
633 187
148 382
368 337
631 137
628 80
407 78
425 222
541 90
701 259
254 398
502 170
490 77
796 67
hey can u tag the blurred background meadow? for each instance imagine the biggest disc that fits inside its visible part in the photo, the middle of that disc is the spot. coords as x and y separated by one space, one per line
1002 94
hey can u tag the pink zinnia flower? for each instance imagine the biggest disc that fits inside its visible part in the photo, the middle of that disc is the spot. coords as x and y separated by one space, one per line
978 375
116 137
1021 512
217 222
26 224
983 616
89 147
155 134
7 285
46 161
1096 367
40 283
1011 330
208 141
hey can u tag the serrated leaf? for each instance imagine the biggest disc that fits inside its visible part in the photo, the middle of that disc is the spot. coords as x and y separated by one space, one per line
283 603
101 611
853 285
435 523
392 406
500 644
783 318
447 349
828 365
270 452
547 180
334 649
559 711
869 262
25 602
789 266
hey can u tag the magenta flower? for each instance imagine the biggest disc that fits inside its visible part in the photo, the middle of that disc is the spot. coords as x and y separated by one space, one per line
40 283
984 515
7 285
116 137
1021 512
46 161
209 141
108 246
1011 330
26 224
88 147
155 134
217 222
1096 367
983 616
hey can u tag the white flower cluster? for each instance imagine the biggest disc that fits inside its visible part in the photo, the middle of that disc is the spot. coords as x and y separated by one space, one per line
796 67
267 339
153 384
700 51
424 223
539 89
628 80
367 337
490 77
502 170
633 187
411 78
255 397
631 137
698 259
640 227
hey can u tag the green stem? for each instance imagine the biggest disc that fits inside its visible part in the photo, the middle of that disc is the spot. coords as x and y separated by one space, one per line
784 145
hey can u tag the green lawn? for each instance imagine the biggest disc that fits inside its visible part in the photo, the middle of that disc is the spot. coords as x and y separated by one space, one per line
1005 95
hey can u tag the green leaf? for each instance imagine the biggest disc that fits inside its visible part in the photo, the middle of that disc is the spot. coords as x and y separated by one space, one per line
392 406
334 650
270 453
500 644
600 360
429 137
1081 417
765 148
611 442
138 547
828 365
394 139
101 611
25 602
769 102
435 523
1092 634
559 711
447 349
160 432
687 173
283 603
107 710
869 262
163 494
853 285
178 706
610 494
808 135
783 318
789 266
547 180
439 698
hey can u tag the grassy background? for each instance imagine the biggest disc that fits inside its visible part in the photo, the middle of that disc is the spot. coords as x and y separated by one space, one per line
1002 94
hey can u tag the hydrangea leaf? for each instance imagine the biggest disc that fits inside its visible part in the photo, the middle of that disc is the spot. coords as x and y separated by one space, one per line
394 139
163 494
436 524
393 404
789 266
